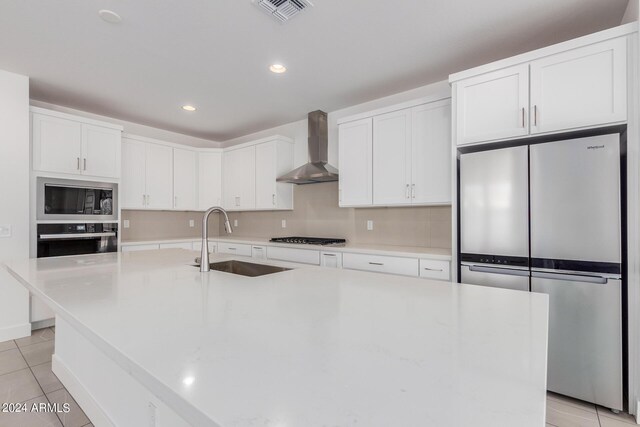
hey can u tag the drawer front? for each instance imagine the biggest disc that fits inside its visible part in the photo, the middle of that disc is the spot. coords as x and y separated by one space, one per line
259 252
234 249
381 264
331 259
197 246
177 245
133 248
435 269
304 256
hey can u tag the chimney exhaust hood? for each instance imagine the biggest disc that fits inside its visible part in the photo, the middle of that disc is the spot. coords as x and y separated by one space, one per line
317 170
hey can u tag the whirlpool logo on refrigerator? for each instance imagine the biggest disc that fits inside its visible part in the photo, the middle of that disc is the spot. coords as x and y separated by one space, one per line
595 147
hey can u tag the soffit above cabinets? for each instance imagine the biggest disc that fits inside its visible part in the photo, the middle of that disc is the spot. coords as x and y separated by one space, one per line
216 55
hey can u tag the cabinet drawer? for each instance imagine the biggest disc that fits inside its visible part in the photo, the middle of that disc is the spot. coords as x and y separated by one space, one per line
331 259
435 269
133 248
381 264
177 245
259 252
234 248
304 256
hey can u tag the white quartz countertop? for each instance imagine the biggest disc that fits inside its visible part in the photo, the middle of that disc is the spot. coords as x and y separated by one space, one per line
393 250
306 347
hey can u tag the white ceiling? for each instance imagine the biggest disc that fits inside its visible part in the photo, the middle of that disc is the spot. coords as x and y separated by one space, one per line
215 54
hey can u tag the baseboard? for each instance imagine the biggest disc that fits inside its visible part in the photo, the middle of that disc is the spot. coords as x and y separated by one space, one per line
94 411
14 332
42 324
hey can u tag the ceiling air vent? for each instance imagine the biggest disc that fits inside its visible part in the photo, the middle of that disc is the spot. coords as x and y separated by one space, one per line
283 10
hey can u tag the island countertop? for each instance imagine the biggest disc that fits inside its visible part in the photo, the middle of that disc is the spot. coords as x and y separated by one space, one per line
307 347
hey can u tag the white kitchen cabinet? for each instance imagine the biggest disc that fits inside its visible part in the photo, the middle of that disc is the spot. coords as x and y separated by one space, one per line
392 158
259 252
64 144
147 175
431 153
355 148
159 176
177 245
273 159
197 246
185 179
133 183
239 171
210 179
493 105
303 256
234 248
101 151
435 269
381 264
331 259
580 87
143 247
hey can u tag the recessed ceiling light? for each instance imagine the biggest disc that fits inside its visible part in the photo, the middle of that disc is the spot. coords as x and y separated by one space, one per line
188 108
110 16
278 68
188 381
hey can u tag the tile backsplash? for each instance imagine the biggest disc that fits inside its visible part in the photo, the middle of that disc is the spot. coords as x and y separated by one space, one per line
316 213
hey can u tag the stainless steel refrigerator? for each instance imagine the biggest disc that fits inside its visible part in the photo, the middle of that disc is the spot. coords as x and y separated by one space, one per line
547 217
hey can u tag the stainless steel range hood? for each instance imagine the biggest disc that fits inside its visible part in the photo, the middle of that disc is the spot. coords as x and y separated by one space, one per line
317 170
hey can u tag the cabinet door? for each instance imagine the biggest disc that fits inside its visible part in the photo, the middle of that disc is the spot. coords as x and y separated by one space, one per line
239 179
581 87
57 144
392 158
132 184
431 153
185 179
266 175
355 148
493 105
159 176
210 182
101 151
230 185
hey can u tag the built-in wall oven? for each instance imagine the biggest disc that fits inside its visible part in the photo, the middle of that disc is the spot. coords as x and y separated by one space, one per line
68 200
76 239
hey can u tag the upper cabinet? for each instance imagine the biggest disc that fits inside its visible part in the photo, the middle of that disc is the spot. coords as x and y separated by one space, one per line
581 87
493 105
250 172
210 179
185 179
397 158
577 84
70 145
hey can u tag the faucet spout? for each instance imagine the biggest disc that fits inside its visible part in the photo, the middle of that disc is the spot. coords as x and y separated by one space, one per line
204 254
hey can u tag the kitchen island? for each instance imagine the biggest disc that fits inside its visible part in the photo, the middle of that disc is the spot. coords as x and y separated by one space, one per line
144 338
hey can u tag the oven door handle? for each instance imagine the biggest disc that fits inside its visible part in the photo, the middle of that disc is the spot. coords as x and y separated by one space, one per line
75 235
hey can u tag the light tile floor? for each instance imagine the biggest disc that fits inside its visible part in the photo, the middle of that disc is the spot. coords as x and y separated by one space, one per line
25 376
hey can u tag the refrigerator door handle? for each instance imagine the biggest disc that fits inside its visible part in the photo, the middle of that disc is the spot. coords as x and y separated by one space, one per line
496 270
599 280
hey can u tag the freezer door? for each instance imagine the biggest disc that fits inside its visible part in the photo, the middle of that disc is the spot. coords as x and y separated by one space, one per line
494 202
585 337
494 277
575 200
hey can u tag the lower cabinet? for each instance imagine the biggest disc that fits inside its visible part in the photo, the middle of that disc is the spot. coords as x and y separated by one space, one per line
435 269
381 264
234 249
134 248
303 256
177 245
331 259
259 252
197 246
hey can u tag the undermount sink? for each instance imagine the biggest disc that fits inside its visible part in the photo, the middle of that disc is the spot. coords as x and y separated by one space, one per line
244 268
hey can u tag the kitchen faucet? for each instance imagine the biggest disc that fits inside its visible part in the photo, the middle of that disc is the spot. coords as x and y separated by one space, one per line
204 255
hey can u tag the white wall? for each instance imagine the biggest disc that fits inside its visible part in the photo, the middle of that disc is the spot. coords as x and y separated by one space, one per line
135 128
631 13
299 130
14 200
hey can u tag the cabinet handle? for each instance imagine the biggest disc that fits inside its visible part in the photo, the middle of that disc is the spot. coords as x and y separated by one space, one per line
376 263
413 191
274 199
535 115
144 200
84 166
175 201
406 191
329 254
232 249
433 269
148 199
523 113
78 163
237 200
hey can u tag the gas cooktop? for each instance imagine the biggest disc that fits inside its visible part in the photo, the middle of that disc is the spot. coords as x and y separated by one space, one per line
309 241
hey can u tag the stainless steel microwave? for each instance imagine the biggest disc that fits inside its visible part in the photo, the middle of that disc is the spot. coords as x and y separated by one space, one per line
69 200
